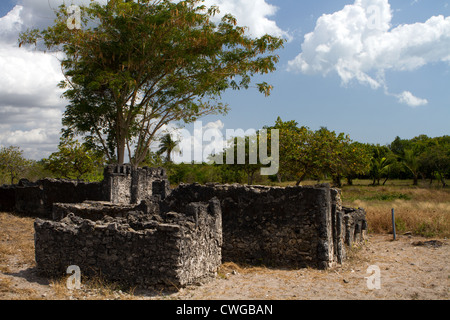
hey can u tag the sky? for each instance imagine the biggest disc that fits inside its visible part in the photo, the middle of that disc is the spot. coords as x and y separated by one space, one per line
373 69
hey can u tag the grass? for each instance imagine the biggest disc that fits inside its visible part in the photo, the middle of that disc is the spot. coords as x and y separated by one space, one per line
94 288
421 210
16 241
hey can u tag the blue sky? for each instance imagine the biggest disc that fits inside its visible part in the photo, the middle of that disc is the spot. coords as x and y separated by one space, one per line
371 83
367 115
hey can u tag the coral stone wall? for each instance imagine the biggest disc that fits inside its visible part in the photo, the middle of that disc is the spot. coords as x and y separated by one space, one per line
293 226
139 249
121 185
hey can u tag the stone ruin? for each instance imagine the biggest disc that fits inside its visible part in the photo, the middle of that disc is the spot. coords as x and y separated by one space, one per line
132 228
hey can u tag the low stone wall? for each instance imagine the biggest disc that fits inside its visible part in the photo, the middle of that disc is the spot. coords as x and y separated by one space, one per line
7 198
137 249
132 228
121 185
97 210
37 198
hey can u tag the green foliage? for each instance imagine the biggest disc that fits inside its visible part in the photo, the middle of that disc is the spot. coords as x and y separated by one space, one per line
168 145
135 66
12 163
241 159
425 229
191 173
298 156
381 164
307 153
388 197
424 157
74 160
153 160
400 225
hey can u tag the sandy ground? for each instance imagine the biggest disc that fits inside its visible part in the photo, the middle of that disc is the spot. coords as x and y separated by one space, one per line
410 268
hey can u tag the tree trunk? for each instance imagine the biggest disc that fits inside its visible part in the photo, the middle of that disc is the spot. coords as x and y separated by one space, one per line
442 176
121 152
350 181
337 181
250 178
416 180
301 179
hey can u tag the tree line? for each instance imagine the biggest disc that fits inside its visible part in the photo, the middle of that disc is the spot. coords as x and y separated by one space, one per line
304 154
323 154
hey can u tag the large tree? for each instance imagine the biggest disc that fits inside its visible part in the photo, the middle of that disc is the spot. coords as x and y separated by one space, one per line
299 151
134 66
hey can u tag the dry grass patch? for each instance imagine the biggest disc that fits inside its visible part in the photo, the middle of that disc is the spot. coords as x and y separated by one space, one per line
424 218
16 242
91 289
421 211
14 292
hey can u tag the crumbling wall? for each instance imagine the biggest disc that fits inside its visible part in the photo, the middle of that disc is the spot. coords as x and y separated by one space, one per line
7 198
137 249
97 210
355 225
121 185
125 185
293 226
37 198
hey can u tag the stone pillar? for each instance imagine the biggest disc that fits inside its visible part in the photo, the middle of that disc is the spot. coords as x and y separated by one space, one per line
117 184
127 185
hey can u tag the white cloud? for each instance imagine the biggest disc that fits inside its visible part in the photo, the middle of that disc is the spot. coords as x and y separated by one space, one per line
11 25
198 144
409 99
253 14
359 44
29 78
30 103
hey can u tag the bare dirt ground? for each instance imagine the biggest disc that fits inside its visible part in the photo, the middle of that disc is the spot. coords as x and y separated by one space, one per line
411 268
408 270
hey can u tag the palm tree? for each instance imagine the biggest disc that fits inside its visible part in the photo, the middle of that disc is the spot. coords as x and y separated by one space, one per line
411 161
167 145
380 164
